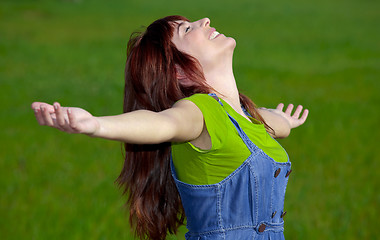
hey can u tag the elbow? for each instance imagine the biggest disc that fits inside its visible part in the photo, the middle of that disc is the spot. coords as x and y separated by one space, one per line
282 132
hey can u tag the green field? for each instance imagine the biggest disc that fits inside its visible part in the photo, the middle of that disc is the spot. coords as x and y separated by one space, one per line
322 54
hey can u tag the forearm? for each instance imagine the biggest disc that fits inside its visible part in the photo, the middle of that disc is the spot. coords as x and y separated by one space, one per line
138 127
278 123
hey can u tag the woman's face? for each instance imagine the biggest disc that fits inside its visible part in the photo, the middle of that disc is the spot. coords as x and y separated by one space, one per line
203 42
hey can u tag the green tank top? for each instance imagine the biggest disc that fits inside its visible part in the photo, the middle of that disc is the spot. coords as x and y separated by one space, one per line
199 167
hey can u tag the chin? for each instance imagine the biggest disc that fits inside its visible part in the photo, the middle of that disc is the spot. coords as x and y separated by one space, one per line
232 42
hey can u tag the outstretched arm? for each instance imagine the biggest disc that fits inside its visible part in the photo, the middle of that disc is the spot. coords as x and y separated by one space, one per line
182 122
283 121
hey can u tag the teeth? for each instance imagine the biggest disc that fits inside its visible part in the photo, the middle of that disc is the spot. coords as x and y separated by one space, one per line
213 35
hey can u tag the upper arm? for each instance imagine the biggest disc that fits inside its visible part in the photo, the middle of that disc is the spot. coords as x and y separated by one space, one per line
185 119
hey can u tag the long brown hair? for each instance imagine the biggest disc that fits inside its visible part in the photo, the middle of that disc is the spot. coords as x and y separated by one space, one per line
153 82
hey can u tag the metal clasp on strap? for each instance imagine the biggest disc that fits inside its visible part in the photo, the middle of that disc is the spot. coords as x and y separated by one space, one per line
216 98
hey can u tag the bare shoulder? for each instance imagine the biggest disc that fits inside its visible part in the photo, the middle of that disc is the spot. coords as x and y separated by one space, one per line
188 106
187 119
187 112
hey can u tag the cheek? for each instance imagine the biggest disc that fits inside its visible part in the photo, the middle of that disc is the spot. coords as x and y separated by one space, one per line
194 44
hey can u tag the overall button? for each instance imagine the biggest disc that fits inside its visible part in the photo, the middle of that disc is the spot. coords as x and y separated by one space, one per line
283 214
287 174
262 227
274 214
277 172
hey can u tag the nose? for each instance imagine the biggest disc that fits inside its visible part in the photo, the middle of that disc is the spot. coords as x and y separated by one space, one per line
205 22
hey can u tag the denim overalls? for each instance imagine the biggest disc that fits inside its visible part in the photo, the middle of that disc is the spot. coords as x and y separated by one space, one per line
248 204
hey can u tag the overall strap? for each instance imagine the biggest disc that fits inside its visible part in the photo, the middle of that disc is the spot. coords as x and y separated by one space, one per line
250 145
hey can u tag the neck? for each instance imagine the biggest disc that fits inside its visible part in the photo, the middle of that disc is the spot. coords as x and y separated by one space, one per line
222 79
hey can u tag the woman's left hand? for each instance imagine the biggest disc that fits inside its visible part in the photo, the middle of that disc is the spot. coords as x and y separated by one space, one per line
282 121
293 120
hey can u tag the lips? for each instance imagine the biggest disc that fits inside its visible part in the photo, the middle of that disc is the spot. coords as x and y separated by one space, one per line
214 34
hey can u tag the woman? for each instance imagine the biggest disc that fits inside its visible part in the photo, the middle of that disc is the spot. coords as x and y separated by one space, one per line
188 132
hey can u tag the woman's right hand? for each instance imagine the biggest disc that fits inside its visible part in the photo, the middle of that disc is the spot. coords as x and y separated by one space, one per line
67 119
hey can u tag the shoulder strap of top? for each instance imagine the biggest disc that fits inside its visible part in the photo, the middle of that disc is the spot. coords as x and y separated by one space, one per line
250 145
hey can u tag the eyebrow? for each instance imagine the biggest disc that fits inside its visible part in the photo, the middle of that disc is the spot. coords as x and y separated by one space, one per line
179 25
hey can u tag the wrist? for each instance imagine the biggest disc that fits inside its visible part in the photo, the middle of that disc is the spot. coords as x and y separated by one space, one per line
97 131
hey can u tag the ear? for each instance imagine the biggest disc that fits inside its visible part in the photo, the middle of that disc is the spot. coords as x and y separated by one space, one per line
182 78
180 73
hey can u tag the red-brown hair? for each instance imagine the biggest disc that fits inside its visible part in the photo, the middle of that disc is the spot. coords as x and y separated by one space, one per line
152 82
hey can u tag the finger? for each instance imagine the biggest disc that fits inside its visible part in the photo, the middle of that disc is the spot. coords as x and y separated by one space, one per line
289 109
280 106
72 120
48 107
38 104
37 113
298 111
61 122
48 121
59 115
304 116
35 105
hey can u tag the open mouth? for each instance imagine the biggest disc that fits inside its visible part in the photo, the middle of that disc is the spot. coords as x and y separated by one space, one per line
214 35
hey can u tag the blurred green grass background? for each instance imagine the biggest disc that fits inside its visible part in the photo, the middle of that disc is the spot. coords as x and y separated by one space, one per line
322 54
